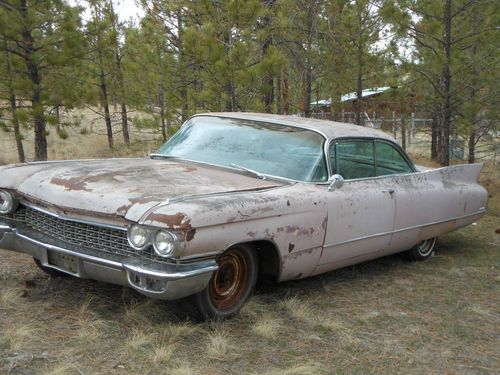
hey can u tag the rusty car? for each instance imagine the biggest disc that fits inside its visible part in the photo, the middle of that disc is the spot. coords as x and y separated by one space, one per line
232 198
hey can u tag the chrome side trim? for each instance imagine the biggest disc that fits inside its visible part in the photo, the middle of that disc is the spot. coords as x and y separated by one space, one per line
169 271
405 229
68 218
5 227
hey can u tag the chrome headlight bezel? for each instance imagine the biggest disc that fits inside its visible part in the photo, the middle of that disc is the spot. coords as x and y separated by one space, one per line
155 237
168 238
130 234
8 203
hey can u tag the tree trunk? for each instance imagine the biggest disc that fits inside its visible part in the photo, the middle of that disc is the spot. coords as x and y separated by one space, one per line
268 89
105 100
472 147
280 93
58 118
434 134
286 97
161 100
475 86
309 72
229 86
32 67
446 79
359 86
119 79
181 67
126 136
307 104
403 131
13 108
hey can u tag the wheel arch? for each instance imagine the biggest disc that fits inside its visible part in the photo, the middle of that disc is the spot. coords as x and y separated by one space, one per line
269 258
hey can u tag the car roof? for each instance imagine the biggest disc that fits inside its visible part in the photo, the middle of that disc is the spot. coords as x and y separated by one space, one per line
330 129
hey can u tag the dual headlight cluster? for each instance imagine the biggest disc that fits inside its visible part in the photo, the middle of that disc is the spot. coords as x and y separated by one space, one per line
7 202
165 243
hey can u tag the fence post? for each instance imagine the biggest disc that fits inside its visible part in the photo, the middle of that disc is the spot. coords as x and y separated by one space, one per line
394 125
413 125
403 132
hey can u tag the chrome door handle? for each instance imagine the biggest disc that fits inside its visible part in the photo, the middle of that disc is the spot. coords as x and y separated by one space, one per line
390 191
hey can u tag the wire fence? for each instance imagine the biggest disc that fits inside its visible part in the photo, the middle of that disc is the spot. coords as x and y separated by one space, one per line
414 134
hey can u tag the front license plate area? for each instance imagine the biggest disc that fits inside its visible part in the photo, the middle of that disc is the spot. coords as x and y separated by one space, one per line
62 261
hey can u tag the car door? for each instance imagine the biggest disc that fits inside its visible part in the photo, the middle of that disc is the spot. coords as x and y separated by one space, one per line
360 213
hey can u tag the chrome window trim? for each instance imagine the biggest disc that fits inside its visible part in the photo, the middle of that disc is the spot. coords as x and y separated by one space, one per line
325 141
374 139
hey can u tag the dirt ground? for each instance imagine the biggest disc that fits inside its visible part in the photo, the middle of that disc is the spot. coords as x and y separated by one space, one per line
386 316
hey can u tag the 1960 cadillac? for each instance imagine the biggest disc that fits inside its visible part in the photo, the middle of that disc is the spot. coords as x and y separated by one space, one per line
230 198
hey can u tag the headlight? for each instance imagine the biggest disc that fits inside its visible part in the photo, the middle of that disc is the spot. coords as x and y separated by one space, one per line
138 236
7 203
164 243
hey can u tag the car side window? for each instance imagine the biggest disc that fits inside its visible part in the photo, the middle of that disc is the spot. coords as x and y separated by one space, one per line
390 160
353 158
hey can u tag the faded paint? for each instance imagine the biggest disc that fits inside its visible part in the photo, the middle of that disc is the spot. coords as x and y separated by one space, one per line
214 208
123 187
330 129
178 221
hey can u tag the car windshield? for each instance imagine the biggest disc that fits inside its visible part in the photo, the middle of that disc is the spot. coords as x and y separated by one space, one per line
261 148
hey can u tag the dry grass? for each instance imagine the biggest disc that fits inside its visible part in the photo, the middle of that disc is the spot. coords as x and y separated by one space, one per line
387 316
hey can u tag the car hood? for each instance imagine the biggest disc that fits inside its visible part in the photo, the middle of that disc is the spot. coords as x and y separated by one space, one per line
127 187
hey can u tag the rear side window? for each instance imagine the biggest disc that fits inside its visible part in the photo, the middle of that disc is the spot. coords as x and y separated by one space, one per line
390 160
364 158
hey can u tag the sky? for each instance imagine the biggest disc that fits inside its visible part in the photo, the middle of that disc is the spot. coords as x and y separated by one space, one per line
126 9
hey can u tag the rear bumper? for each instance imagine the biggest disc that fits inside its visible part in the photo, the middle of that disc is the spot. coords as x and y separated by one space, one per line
153 279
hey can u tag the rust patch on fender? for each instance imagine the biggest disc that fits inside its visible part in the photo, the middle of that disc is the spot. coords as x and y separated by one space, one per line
190 234
176 221
123 209
297 230
80 183
70 184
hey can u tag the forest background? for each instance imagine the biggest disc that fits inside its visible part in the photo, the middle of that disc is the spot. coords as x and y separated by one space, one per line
276 56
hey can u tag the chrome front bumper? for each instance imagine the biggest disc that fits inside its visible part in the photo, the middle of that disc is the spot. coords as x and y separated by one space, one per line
153 279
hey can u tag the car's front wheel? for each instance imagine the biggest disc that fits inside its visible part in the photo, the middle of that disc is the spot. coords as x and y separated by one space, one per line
422 251
231 285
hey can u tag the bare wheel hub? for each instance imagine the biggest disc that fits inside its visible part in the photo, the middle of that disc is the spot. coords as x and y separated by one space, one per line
230 281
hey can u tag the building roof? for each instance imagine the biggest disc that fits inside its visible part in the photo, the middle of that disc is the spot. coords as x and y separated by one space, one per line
364 93
330 129
352 96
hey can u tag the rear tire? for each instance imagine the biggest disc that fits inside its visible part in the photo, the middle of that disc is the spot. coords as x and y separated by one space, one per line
422 251
50 271
231 285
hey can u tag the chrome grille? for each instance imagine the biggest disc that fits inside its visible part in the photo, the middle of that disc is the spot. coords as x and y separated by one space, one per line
109 240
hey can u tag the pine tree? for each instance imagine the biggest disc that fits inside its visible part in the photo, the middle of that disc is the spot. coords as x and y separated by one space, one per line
43 35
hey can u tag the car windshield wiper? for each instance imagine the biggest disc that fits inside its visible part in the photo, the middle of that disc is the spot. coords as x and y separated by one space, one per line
259 175
163 156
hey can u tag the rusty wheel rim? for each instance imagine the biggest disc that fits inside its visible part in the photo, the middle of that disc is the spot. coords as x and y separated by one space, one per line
230 282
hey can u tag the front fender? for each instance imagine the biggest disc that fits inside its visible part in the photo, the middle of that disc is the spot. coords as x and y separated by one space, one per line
292 217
